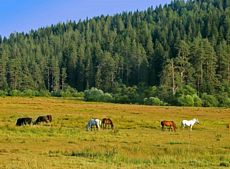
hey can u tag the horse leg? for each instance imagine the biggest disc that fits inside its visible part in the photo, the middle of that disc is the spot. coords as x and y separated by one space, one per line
182 125
171 128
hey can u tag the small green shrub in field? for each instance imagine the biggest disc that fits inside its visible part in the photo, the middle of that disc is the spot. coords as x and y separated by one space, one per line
30 93
209 100
15 93
223 99
153 101
197 101
185 100
44 93
71 92
95 94
3 93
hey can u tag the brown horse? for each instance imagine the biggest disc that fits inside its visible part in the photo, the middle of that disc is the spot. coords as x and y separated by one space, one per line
170 124
47 119
106 122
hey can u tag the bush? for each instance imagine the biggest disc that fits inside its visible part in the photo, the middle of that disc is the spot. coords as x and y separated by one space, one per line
185 100
224 100
98 95
118 98
56 93
3 93
71 92
153 101
30 93
151 91
186 90
15 93
107 97
197 100
209 100
44 93
79 95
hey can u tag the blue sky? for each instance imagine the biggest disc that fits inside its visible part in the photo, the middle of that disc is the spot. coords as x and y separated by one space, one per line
24 15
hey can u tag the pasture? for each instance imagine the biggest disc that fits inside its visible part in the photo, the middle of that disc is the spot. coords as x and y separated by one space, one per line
137 140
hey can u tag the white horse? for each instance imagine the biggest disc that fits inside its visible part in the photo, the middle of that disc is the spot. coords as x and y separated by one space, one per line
93 122
189 123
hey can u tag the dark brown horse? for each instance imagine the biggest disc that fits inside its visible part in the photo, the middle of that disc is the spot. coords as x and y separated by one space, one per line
50 118
106 122
46 119
170 124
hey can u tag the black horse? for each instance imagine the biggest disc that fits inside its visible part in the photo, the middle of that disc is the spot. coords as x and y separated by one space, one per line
24 121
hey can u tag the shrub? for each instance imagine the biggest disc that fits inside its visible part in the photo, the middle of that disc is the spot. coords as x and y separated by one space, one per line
56 93
209 100
30 93
151 91
186 90
3 93
197 100
185 100
153 101
15 93
69 92
78 95
107 97
118 98
95 94
44 93
224 100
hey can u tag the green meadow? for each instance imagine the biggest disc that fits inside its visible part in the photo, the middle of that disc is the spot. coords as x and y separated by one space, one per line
136 142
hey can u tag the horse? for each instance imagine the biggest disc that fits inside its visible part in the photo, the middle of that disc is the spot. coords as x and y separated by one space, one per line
93 122
50 118
24 121
171 124
106 122
47 119
189 123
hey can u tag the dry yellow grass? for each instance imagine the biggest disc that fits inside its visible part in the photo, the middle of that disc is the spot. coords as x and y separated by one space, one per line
136 142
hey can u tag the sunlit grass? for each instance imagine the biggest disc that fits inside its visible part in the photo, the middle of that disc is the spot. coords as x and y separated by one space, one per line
136 142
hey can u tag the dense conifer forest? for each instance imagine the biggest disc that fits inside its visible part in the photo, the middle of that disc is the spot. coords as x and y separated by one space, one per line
177 54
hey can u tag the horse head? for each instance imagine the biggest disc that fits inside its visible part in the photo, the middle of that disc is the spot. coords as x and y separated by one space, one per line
197 121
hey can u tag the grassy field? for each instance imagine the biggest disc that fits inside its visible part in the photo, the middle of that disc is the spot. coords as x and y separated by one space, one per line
136 142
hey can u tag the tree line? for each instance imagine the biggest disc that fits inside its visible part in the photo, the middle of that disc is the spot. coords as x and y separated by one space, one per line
177 53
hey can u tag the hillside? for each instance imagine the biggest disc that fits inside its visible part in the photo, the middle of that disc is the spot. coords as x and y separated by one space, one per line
181 48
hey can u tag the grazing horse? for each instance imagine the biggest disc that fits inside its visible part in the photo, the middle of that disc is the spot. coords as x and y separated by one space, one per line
106 122
47 119
50 118
170 124
93 122
189 123
24 121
